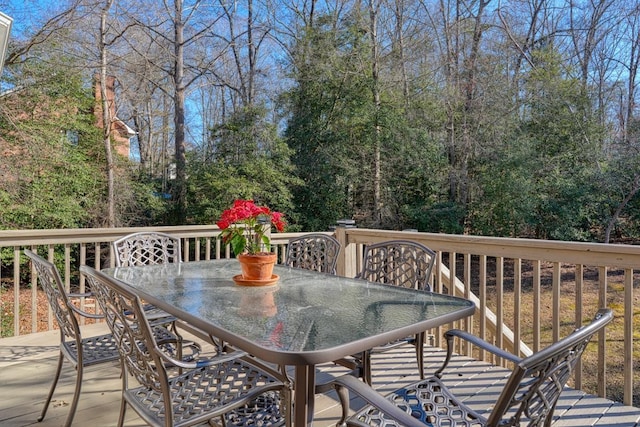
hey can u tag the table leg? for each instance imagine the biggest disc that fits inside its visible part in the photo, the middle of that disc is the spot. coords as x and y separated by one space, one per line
304 395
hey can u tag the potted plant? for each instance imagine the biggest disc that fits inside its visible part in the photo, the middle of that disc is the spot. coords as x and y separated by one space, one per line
244 226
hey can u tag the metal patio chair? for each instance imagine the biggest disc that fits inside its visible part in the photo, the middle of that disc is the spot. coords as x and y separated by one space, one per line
399 263
78 350
151 248
529 395
147 248
228 385
314 251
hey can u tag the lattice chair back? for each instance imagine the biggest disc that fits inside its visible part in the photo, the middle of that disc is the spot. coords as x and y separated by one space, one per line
533 389
147 248
398 262
125 317
314 251
51 283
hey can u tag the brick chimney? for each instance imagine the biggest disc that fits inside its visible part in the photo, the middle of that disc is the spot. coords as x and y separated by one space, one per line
120 132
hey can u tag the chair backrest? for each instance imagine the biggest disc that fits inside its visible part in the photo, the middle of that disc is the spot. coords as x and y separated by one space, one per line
125 317
147 248
51 282
398 262
314 251
532 390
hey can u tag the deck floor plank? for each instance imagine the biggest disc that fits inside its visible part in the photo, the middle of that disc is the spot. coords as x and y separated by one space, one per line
27 366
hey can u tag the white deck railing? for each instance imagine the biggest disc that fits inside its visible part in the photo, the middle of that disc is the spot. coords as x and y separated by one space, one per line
520 286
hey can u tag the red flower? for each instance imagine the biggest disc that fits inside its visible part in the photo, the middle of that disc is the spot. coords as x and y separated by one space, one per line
277 219
243 225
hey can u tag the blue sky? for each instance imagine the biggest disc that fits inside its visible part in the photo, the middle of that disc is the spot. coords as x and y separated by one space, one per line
28 14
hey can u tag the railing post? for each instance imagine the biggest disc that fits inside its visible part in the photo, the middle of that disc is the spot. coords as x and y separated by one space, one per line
347 260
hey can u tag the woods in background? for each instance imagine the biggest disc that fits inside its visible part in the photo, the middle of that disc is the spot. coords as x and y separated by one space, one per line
508 118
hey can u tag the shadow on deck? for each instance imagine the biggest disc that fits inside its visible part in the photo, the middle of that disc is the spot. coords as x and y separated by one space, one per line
27 366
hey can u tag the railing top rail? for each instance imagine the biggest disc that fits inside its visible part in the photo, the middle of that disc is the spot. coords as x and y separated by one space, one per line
88 235
613 255
283 238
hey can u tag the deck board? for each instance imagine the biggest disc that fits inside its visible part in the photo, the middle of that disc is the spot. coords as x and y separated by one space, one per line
27 366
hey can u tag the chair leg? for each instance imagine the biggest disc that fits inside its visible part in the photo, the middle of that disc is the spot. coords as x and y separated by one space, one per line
287 401
123 410
549 420
449 339
419 343
123 401
343 395
76 395
366 367
174 329
53 387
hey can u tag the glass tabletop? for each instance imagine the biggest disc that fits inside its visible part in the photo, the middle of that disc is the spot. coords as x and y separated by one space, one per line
303 311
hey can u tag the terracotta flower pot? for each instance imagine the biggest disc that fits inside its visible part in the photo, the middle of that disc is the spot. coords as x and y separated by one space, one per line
257 267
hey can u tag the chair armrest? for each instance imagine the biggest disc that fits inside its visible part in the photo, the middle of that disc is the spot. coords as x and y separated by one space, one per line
81 312
80 295
474 340
154 314
372 397
86 314
200 363
483 344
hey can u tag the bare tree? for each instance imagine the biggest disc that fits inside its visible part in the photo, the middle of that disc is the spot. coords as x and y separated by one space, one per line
140 87
399 47
633 43
175 29
374 10
628 150
106 114
462 25
180 190
47 31
588 29
244 48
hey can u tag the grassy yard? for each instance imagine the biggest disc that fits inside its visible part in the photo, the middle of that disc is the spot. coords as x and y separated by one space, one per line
590 301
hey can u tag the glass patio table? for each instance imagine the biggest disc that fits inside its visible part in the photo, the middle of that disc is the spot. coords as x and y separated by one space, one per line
304 319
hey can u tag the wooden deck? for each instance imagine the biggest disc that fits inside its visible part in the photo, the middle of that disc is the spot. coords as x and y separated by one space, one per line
27 366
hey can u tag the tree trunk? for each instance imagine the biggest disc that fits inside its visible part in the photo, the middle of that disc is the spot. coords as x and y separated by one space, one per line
252 49
614 218
634 63
106 118
400 48
180 187
375 88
